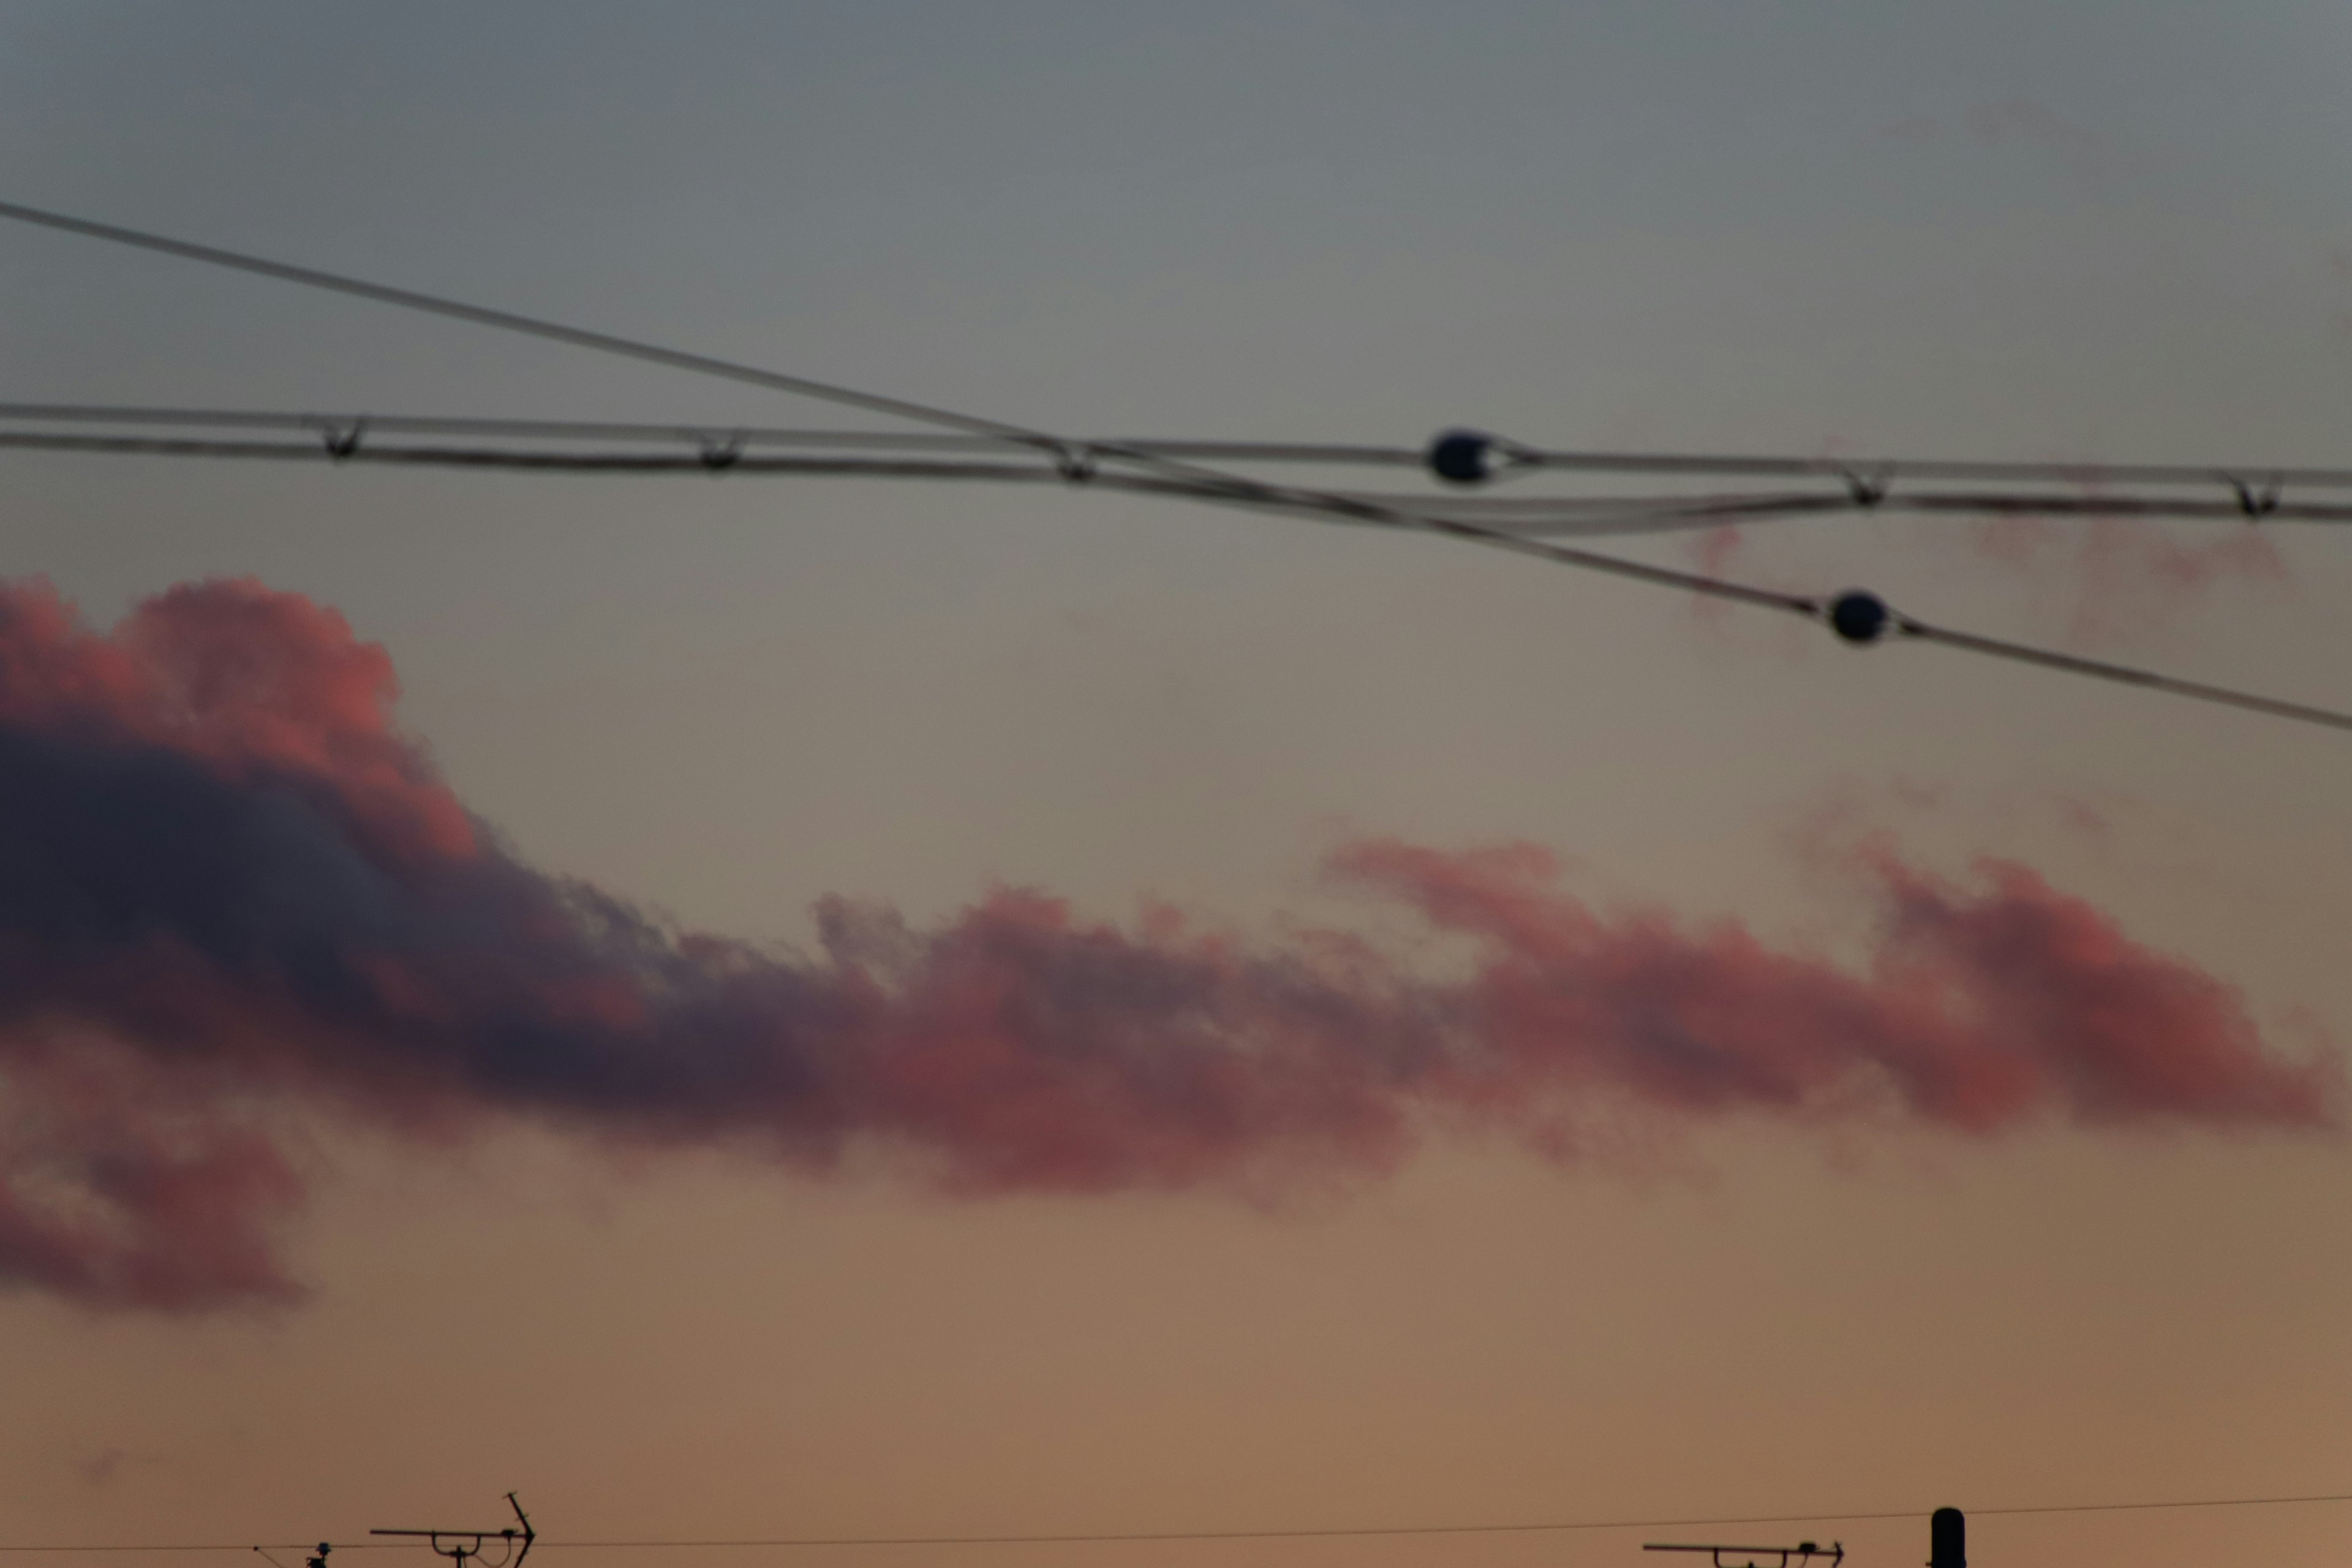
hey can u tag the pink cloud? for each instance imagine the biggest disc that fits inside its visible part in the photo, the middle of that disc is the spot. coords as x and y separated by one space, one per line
2124 575
236 900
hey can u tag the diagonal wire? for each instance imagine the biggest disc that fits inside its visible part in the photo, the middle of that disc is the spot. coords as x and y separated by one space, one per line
607 342
1218 485
705 364
512 321
2125 674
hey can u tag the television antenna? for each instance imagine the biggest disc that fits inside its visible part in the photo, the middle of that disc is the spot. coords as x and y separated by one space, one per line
465 1546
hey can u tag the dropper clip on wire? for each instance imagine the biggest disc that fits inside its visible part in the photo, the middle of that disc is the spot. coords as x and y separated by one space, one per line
2256 504
1867 489
342 440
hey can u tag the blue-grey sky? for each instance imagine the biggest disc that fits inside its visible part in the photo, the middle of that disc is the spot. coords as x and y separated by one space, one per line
2101 231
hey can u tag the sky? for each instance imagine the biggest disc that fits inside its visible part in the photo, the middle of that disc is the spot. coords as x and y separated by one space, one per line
749 1009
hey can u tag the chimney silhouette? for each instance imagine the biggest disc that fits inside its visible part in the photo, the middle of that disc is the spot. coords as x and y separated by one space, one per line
1948 1538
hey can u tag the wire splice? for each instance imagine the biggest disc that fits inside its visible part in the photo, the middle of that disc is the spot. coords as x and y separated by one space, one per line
1462 458
1858 615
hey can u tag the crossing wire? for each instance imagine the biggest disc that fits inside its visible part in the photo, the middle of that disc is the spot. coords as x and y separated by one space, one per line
1217 484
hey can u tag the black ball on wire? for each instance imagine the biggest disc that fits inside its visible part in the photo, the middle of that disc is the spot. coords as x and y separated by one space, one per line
1859 617
1462 458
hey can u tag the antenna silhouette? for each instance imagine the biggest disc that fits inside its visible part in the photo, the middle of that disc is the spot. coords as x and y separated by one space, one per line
464 1546
1804 1551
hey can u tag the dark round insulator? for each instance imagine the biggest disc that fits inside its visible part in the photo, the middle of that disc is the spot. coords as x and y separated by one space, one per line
1461 458
1858 616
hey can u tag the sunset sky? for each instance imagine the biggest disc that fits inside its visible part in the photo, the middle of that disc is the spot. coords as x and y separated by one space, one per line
745 1008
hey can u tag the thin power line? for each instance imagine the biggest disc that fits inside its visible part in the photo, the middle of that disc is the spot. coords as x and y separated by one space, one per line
1587 516
1364 1532
1142 1537
606 342
717 446
1217 485
2125 674
1881 471
510 320
1540 517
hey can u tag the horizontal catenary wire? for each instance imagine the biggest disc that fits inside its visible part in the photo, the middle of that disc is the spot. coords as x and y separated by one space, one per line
1858 616
1879 470
720 448
1147 1537
1532 516
1528 516
1569 515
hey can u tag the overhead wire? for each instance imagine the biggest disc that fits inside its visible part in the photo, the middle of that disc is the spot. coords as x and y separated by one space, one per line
514 322
718 448
1595 518
1081 457
1518 458
2099 670
919 413
1540 517
1145 1537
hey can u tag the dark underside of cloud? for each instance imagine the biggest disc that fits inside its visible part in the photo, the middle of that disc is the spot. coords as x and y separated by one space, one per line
236 900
